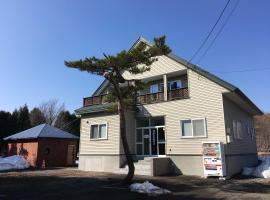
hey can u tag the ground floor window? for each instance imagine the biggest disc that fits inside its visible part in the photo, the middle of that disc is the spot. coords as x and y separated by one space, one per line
98 131
193 128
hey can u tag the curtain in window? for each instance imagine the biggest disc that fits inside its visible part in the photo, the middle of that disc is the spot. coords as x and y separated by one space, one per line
198 127
94 131
102 131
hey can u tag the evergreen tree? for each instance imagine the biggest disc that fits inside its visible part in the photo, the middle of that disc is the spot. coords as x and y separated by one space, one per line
137 60
14 122
68 122
23 118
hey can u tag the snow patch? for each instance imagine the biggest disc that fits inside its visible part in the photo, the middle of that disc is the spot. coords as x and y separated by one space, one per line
261 171
148 188
13 163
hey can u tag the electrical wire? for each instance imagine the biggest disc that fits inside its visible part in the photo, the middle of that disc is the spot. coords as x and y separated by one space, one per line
209 34
220 30
244 70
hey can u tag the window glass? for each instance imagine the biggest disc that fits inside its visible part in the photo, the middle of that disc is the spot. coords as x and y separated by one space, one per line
102 131
186 128
142 122
98 131
94 131
139 135
154 88
238 129
175 84
161 87
161 135
161 149
139 149
157 121
198 127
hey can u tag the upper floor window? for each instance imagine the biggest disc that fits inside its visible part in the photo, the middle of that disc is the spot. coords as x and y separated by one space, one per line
172 85
154 88
193 128
98 131
242 129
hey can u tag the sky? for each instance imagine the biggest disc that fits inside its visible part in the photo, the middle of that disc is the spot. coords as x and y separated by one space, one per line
36 37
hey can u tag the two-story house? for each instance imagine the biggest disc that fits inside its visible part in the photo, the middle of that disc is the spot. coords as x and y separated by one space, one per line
181 106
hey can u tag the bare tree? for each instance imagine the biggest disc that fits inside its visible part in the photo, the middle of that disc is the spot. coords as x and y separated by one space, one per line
51 109
37 117
262 125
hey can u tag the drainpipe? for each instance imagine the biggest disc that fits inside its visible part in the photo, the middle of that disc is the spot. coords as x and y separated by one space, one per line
165 87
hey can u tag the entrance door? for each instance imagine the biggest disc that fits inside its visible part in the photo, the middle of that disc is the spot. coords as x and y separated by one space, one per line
71 154
146 141
150 141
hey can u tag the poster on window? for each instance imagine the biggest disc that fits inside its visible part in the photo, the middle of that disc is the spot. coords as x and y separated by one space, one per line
213 159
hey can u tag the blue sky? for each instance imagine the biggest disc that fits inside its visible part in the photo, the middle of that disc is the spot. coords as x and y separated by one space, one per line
37 36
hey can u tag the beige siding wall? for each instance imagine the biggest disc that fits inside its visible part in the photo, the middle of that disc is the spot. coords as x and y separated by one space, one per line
236 146
107 146
164 65
205 102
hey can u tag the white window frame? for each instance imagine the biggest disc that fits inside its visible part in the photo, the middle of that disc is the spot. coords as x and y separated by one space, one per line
192 135
98 124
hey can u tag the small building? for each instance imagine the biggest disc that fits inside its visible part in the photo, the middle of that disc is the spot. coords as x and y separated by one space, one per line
44 146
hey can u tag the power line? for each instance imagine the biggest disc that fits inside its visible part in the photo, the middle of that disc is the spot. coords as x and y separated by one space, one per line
220 30
207 37
244 70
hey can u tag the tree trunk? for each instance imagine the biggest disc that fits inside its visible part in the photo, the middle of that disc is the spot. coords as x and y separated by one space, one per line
128 155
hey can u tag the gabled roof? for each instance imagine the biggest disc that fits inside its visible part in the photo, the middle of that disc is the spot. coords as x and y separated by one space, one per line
41 131
195 68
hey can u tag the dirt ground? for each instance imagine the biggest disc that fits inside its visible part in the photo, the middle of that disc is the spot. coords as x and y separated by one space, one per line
74 184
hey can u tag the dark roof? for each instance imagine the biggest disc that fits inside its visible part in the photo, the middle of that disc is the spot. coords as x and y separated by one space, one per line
41 131
94 109
195 68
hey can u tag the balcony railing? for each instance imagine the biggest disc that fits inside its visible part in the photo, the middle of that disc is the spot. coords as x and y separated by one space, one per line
95 100
181 93
150 98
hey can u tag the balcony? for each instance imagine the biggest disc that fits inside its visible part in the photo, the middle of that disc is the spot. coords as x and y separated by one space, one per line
95 100
181 93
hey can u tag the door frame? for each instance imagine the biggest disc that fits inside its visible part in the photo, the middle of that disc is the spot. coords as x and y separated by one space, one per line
150 141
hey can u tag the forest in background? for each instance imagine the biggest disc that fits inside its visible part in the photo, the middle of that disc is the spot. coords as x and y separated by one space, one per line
50 112
262 125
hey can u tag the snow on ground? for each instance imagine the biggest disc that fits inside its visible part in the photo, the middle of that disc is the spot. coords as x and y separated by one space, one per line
261 171
148 188
13 163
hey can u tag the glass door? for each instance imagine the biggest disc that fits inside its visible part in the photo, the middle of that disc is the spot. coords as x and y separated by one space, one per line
161 141
154 145
146 142
150 141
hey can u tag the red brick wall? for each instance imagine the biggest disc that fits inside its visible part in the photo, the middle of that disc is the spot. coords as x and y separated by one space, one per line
54 152
26 148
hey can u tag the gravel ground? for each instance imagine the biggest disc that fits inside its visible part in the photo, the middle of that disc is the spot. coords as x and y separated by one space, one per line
74 184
